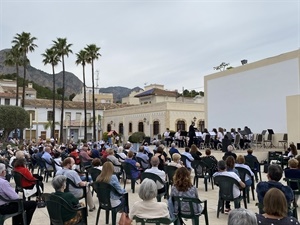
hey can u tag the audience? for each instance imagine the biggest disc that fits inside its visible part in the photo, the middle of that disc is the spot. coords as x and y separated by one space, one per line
253 163
188 163
241 217
274 175
196 154
112 158
275 209
173 149
162 158
148 207
59 185
7 192
240 163
154 169
145 159
229 153
176 161
135 171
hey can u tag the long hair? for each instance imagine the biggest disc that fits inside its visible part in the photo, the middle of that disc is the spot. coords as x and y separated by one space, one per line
182 179
106 173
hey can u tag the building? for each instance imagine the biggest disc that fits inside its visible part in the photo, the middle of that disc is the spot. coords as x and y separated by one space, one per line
261 95
158 109
99 97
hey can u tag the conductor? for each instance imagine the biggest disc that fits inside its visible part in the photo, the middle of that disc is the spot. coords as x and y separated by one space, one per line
192 134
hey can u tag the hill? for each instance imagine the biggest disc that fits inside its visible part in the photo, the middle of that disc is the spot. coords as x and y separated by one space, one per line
73 84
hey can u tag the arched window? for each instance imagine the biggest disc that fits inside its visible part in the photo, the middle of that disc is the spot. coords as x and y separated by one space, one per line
155 127
141 127
180 125
130 127
201 125
108 127
121 128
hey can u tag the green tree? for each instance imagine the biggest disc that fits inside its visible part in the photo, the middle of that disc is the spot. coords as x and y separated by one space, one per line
13 58
51 57
223 66
62 49
24 42
11 118
82 58
93 54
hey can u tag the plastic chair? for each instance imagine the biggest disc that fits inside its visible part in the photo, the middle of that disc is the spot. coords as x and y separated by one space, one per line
84 165
192 202
67 189
283 141
184 159
18 178
254 165
55 204
201 171
94 173
294 184
156 179
127 169
170 171
47 172
54 164
225 184
20 210
142 162
103 193
243 172
156 221
118 174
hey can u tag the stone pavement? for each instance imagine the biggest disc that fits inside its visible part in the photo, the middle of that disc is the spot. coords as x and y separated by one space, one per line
41 214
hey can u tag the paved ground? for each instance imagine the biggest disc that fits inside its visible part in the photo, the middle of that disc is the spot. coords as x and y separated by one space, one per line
41 215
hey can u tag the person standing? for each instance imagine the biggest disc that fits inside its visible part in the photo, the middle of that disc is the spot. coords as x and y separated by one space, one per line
192 134
167 137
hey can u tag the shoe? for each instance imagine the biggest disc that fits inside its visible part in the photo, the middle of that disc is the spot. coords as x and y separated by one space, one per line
92 209
226 211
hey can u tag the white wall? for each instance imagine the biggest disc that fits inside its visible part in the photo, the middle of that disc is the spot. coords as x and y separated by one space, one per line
255 98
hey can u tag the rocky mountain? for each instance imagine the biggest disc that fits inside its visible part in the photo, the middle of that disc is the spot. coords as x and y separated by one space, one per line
73 83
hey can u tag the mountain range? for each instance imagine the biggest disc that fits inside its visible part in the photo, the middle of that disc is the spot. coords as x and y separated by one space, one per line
73 84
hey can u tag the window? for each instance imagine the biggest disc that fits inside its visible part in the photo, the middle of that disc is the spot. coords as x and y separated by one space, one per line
50 115
180 125
130 127
108 127
121 128
141 127
7 101
88 117
201 125
78 116
155 127
32 112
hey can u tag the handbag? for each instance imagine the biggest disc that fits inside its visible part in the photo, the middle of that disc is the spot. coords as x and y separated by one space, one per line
124 219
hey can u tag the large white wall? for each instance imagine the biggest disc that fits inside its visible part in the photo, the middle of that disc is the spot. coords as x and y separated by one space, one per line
255 98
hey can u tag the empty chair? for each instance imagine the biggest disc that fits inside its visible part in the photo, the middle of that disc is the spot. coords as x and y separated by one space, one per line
284 140
201 171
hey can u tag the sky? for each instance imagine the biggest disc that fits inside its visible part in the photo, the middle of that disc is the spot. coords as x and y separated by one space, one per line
174 43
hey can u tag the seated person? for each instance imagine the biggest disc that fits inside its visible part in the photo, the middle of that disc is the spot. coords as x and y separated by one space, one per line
111 157
253 163
148 207
145 159
59 185
96 163
154 169
274 175
229 153
173 149
196 154
241 217
240 162
135 171
31 179
176 161
293 172
9 193
187 153
275 209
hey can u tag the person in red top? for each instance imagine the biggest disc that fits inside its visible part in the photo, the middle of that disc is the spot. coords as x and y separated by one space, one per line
29 179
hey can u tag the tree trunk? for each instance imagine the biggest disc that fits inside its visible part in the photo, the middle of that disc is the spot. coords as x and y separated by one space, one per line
17 82
84 102
62 104
53 106
93 99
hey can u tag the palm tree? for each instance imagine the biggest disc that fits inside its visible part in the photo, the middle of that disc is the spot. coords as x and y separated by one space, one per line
92 51
82 58
62 49
24 42
51 57
13 58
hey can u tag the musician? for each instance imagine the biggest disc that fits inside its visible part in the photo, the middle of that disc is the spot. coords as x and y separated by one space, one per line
167 137
219 137
179 139
192 134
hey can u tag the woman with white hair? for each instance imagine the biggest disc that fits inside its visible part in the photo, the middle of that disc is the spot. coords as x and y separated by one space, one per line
241 217
148 207
176 161
120 154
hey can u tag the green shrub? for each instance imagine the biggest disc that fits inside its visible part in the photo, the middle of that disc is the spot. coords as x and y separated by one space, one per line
137 137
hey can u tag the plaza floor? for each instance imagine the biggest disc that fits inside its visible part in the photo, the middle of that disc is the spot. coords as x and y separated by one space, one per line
41 214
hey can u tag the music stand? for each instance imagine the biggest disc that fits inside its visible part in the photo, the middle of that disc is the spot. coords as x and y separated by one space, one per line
243 132
270 131
248 130
183 133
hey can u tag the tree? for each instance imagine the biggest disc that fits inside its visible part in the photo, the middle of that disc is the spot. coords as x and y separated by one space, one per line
51 57
222 66
11 118
62 49
13 58
24 43
93 54
82 58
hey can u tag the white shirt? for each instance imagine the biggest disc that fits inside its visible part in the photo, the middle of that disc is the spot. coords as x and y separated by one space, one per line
247 168
236 190
158 172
